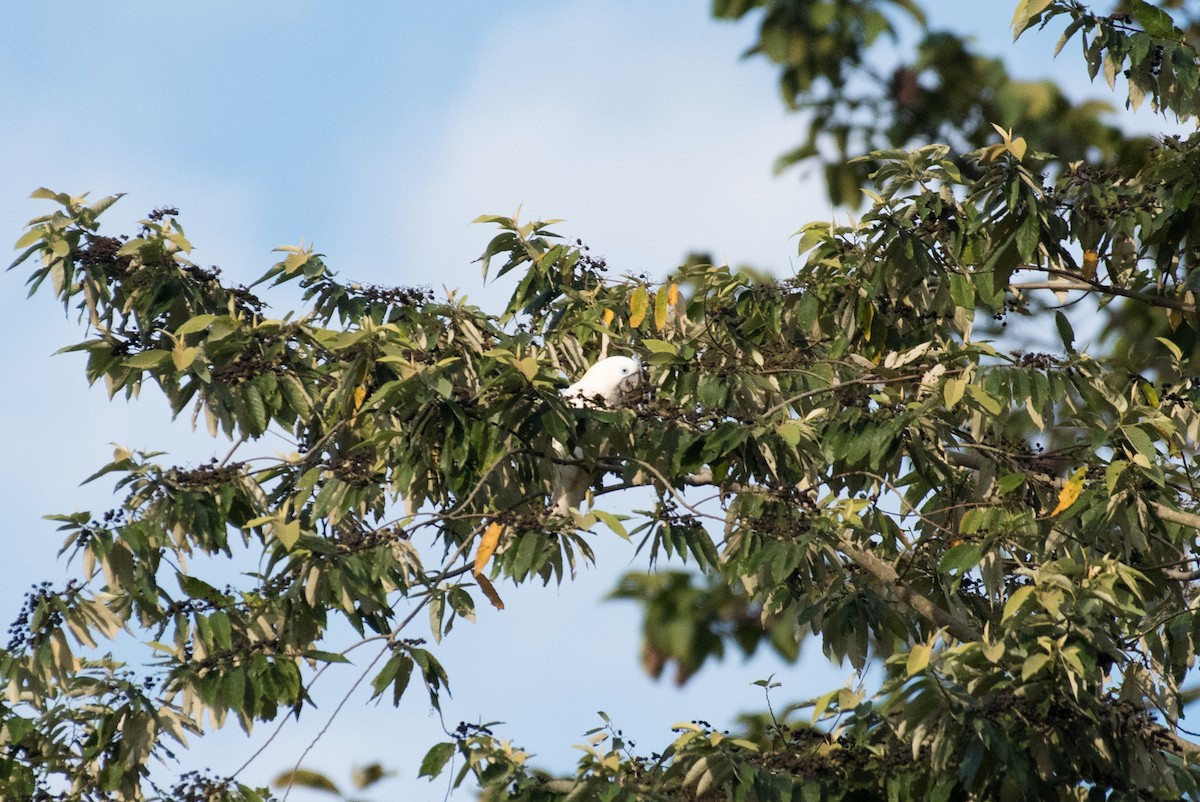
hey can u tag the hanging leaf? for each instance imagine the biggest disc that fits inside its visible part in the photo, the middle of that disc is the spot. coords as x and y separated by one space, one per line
638 304
1090 260
1070 492
489 590
487 546
660 310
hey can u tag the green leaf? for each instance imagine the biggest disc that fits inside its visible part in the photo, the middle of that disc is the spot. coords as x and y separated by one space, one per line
612 522
366 776
1010 482
1026 11
1112 474
981 397
1028 236
1141 443
195 324
255 408
1153 19
396 672
31 236
528 367
288 532
660 347
148 359
1033 664
221 629
1016 601
198 588
962 291
790 432
961 558
1171 346
1064 330
436 759
42 193
952 391
306 778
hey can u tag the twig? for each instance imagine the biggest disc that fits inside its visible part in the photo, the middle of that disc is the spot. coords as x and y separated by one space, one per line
328 722
837 385
229 456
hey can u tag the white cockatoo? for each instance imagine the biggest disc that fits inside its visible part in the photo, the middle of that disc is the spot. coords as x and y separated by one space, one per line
604 384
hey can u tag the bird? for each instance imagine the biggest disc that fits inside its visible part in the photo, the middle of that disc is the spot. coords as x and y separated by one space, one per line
604 384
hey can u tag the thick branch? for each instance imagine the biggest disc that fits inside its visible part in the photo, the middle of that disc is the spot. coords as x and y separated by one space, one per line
1078 282
1175 516
919 604
1189 519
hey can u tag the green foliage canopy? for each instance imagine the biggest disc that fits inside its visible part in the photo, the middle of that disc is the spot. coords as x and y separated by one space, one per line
852 452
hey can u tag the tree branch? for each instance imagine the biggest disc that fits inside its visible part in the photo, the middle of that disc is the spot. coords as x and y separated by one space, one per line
1175 516
1078 282
1189 519
919 604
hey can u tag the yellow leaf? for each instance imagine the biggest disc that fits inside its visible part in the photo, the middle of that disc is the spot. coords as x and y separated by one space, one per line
184 357
608 317
638 304
673 293
952 391
990 153
288 532
1090 260
1070 492
488 590
360 395
528 367
918 658
660 310
487 546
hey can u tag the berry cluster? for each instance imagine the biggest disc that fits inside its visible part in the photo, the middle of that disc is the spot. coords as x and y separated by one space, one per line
205 476
465 730
196 786
393 296
102 251
30 630
162 212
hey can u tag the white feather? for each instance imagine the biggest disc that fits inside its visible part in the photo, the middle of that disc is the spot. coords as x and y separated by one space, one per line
604 384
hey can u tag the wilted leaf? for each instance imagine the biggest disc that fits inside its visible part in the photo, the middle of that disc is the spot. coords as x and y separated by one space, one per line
1070 492
489 590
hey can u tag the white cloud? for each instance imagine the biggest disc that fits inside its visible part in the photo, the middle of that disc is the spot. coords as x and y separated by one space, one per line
649 145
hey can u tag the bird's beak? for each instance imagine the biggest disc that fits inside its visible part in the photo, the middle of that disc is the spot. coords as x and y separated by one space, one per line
633 380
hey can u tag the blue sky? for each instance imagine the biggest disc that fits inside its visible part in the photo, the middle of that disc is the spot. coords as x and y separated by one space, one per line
378 133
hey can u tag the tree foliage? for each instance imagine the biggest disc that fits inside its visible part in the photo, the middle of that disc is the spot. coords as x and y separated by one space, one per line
855 453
